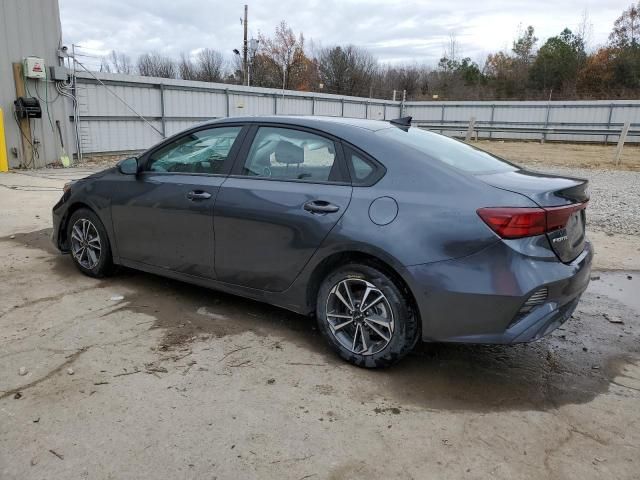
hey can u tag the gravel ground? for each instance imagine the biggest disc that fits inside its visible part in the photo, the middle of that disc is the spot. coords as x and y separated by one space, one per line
615 197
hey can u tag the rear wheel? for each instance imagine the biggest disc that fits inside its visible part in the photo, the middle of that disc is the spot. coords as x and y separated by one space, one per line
365 316
89 244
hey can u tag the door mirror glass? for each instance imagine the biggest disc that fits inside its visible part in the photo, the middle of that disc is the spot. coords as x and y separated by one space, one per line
128 166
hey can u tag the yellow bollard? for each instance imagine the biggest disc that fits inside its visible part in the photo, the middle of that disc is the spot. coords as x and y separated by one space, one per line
4 163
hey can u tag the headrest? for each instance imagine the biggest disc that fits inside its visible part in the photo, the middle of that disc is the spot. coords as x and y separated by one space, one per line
288 153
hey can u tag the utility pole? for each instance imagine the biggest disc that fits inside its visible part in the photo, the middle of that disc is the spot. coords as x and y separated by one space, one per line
245 63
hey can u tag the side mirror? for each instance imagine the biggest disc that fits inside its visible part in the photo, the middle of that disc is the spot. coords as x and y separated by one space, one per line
128 166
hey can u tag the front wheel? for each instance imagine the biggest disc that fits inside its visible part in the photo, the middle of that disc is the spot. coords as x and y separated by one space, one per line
89 244
365 316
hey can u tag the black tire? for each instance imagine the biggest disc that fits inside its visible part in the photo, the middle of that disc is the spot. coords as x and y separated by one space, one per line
406 326
104 265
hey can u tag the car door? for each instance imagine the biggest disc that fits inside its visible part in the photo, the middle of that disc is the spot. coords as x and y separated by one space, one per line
163 216
288 188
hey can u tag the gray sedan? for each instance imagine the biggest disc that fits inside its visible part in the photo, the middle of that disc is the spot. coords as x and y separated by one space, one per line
387 233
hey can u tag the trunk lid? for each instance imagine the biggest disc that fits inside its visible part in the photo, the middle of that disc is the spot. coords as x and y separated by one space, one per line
551 192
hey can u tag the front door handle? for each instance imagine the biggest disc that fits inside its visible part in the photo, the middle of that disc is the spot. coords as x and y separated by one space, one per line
198 195
320 206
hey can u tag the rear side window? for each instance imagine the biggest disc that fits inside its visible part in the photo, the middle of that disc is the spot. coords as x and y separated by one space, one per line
364 171
287 154
447 150
361 169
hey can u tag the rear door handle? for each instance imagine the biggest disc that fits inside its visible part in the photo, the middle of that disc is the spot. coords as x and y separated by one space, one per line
198 195
320 206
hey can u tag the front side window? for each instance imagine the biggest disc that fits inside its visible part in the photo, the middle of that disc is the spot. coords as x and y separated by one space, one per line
204 151
286 154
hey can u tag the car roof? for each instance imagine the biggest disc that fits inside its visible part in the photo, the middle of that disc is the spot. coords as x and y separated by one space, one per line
339 126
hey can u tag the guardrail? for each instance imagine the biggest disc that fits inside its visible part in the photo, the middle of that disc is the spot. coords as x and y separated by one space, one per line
606 132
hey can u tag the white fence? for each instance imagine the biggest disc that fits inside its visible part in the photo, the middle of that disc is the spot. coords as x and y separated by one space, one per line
110 111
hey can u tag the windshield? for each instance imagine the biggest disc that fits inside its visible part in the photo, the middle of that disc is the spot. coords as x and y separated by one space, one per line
452 152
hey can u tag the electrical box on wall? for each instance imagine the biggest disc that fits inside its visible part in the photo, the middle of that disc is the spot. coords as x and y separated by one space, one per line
34 68
58 74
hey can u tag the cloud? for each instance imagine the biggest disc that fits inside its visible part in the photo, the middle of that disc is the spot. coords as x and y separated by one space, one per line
411 31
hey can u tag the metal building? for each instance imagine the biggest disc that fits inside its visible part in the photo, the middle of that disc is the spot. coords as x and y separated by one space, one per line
32 28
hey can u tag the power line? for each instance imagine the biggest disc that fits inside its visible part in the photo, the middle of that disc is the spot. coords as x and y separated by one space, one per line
120 98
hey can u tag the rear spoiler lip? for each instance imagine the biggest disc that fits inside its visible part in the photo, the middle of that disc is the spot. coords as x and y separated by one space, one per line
574 190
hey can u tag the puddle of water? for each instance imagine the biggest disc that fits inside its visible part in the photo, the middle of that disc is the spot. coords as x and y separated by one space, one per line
623 287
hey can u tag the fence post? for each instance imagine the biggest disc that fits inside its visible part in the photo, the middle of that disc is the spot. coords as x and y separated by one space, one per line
404 99
342 107
623 137
275 104
442 118
313 105
162 116
470 129
546 124
493 111
384 111
606 138
226 95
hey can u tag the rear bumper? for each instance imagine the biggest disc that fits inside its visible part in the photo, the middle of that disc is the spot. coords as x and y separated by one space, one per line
477 299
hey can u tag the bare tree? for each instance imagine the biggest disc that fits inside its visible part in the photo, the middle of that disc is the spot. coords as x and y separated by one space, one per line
156 65
451 48
286 54
626 29
186 68
585 29
117 62
210 65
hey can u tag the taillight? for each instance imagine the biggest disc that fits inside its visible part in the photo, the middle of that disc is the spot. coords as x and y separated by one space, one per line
557 217
516 222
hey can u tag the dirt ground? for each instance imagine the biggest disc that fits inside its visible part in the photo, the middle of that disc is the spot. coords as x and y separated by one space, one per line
137 376
564 154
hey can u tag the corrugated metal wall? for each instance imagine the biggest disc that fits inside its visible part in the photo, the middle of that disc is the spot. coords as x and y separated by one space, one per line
597 114
108 125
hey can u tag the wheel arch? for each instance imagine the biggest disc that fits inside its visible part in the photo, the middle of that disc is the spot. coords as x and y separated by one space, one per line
335 260
63 241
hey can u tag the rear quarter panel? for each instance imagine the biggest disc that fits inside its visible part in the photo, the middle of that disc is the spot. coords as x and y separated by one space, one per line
436 218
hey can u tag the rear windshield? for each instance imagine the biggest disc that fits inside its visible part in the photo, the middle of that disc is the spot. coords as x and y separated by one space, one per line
452 152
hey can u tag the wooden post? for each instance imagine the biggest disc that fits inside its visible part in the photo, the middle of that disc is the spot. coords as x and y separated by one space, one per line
472 125
493 113
162 116
606 138
623 137
23 123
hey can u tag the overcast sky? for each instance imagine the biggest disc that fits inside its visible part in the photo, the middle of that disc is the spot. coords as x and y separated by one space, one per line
403 31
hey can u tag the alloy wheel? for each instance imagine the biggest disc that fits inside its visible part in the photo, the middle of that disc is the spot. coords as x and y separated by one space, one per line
85 243
359 316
